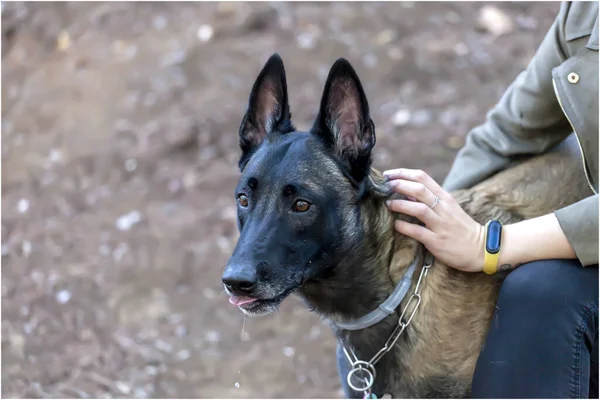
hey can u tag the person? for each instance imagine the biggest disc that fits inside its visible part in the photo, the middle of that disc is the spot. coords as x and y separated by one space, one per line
545 326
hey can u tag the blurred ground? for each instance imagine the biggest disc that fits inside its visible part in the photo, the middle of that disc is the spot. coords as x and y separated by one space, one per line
119 153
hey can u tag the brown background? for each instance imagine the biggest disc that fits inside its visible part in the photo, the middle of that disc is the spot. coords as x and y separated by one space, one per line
121 109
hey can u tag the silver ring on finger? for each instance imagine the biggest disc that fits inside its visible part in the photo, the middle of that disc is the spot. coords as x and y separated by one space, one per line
437 200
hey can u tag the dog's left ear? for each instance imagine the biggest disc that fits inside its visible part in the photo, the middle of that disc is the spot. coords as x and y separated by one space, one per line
344 123
268 109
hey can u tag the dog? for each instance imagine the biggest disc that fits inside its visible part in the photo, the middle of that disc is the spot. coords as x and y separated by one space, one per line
313 221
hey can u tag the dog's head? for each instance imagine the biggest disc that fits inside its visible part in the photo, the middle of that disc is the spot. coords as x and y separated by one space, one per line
299 194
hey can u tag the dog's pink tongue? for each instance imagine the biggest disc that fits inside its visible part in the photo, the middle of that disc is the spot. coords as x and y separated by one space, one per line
241 300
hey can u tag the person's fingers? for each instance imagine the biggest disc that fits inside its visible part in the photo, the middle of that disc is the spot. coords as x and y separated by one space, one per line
414 231
416 175
414 189
416 209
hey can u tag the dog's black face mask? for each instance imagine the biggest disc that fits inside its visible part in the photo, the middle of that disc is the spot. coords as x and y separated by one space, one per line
299 194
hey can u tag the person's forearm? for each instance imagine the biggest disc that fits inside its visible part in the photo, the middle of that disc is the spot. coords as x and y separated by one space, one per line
538 238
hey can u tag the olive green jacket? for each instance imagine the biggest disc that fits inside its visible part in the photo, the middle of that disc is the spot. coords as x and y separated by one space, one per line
555 96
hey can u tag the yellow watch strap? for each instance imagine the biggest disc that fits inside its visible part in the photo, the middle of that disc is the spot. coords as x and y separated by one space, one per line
490 261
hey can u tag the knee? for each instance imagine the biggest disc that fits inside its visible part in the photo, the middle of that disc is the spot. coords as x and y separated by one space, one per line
542 285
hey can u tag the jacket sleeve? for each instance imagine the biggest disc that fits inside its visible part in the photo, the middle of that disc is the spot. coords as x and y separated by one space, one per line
526 121
579 222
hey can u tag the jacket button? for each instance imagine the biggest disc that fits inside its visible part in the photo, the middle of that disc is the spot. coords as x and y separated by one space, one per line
573 77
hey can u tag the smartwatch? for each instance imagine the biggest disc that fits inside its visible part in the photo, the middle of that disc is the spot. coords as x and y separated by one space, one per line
493 242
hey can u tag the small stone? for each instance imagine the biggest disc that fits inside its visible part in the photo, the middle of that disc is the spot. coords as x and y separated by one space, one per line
526 22
395 53
306 40
127 221
123 49
448 118
130 165
370 60
237 385
63 41
289 351
23 206
495 21
173 318
212 336
181 331
26 248
421 117
401 118
174 185
28 327
151 370
104 250
461 49
184 355
159 23
163 346
173 58
55 156
189 179
123 387
384 37
130 51
120 251
205 33
17 344
119 47
86 334
63 296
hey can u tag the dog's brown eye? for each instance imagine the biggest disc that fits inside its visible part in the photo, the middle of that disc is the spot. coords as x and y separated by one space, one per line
243 200
301 206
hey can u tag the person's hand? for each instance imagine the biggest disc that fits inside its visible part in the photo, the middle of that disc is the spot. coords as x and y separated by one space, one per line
449 233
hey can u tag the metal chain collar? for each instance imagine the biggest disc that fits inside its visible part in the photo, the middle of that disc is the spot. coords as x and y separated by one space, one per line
364 371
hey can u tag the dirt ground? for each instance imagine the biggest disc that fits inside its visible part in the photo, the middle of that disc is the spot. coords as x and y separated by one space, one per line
119 151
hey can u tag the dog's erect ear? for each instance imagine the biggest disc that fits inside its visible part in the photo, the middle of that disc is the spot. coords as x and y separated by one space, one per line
268 109
343 122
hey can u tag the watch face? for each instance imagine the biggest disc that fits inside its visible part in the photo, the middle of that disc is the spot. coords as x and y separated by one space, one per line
494 236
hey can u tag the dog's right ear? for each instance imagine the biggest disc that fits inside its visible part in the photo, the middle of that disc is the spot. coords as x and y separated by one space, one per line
343 122
268 110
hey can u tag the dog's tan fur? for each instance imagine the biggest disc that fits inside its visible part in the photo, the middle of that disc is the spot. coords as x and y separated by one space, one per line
449 328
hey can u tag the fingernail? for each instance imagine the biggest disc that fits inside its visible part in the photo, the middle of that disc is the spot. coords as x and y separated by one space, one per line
388 202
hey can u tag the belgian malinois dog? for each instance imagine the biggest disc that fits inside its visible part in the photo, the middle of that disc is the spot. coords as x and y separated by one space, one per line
313 221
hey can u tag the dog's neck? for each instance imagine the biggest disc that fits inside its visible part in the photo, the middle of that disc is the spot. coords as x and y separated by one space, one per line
363 279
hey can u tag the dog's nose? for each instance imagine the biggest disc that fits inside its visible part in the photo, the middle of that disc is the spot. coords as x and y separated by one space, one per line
240 280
